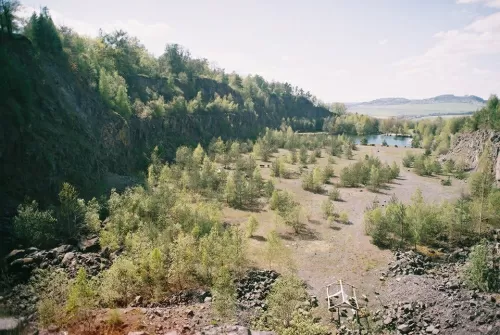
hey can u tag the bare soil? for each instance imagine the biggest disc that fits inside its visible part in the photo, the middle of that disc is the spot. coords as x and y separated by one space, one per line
327 252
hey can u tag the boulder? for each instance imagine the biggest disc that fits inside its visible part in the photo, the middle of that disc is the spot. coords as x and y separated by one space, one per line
89 244
11 325
68 257
15 254
404 328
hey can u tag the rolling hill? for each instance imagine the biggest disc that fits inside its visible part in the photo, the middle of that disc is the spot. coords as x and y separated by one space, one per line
441 105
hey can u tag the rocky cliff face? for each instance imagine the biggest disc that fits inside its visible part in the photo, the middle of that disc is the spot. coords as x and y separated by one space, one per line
469 147
56 128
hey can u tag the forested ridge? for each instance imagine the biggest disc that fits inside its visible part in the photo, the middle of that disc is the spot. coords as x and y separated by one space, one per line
76 107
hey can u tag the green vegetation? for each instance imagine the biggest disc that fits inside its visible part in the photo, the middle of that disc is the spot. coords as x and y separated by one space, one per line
438 224
482 270
252 226
369 172
285 314
334 194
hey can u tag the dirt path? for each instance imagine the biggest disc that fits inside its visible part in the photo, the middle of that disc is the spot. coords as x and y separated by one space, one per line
331 252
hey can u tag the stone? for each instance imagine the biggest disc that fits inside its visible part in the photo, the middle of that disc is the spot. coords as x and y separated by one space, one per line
138 300
404 328
53 329
14 254
62 249
9 325
137 333
89 245
387 321
208 299
190 313
429 329
68 257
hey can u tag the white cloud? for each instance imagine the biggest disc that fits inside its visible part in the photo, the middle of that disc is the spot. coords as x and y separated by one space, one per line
489 3
153 35
340 72
480 72
454 48
383 42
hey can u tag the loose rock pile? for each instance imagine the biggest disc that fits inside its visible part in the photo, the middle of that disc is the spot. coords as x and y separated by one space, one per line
431 298
252 289
22 262
410 262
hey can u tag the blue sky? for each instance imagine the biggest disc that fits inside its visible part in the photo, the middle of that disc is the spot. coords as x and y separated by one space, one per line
340 50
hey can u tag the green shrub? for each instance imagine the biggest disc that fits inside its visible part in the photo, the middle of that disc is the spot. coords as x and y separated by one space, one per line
327 208
328 173
334 194
313 180
364 141
286 294
344 218
408 159
303 155
34 227
114 318
82 298
252 226
52 288
224 295
446 182
482 268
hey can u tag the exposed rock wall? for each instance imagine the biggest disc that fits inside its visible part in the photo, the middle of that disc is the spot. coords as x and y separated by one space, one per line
468 147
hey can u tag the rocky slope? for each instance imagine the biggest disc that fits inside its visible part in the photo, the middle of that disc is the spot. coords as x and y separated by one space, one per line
468 147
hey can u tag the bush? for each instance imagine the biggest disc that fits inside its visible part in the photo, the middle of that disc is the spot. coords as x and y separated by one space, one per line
52 290
384 143
408 159
347 150
224 294
446 182
377 227
482 268
252 226
286 294
364 141
327 208
82 298
370 172
328 173
278 168
344 218
34 227
281 201
313 180
460 168
303 155
334 194
114 318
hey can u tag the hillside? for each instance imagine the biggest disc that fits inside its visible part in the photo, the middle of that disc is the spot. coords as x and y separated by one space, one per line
62 121
445 98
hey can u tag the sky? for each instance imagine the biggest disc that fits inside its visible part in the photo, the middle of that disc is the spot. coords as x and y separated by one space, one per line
339 50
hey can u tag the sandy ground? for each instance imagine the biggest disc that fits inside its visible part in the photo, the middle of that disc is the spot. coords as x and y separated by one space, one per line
331 252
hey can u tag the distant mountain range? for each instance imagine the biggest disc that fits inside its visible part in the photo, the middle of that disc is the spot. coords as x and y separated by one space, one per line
445 98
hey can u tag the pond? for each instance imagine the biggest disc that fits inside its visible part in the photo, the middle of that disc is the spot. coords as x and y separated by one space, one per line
400 141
